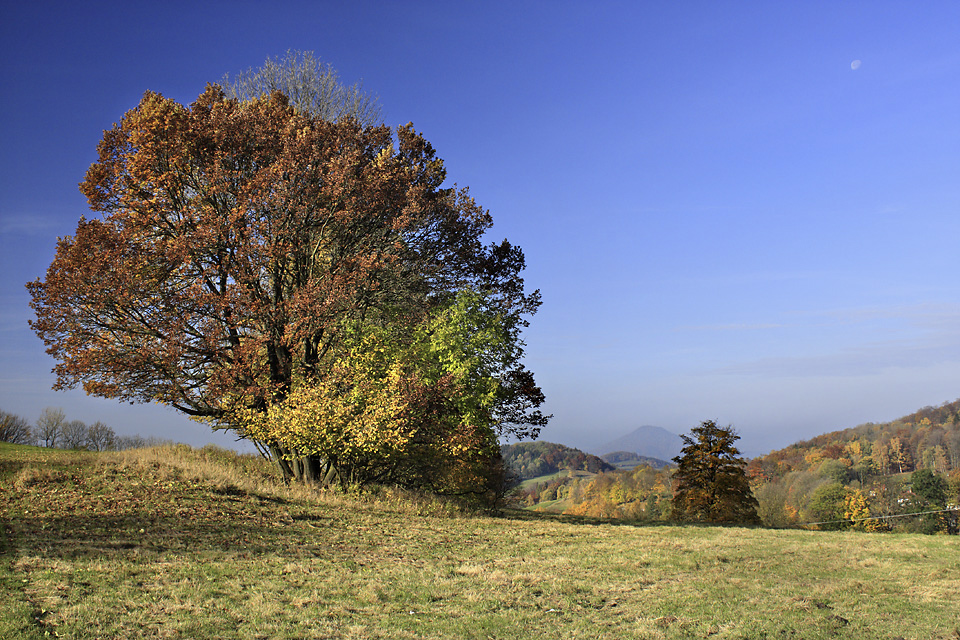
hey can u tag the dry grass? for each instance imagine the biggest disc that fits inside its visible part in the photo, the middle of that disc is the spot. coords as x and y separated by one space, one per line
177 543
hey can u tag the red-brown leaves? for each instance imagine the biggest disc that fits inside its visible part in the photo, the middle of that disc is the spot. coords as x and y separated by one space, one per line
238 238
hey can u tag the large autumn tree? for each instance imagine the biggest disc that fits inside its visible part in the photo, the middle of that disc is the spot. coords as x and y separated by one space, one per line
247 253
710 484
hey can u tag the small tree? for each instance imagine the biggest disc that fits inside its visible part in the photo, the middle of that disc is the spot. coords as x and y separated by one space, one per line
73 435
14 429
772 504
48 426
930 493
828 505
710 484
311 87
929 489
100 437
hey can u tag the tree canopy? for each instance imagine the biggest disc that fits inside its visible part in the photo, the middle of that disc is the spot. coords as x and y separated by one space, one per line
250 256
710 482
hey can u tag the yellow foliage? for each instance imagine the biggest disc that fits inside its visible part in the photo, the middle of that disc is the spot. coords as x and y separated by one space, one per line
854 450
857 509
420 400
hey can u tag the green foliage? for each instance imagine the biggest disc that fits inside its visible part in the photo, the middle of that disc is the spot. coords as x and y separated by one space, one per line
629 459
930 493
771 505
929 489
828 506
417 406
835 470
710 483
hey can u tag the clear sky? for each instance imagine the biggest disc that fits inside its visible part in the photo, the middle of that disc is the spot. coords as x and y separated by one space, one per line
741 211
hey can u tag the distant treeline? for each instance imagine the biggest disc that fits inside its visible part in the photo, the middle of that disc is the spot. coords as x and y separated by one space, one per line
53 430
638 494
927 439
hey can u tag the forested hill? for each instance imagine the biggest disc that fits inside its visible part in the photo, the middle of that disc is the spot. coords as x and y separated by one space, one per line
629 460
534 459
926 439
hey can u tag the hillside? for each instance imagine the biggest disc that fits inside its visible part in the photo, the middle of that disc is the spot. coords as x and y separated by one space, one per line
175 542
648 441
926 439
876 474
535 459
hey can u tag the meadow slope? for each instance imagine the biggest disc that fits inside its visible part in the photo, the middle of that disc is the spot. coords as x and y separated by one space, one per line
180 543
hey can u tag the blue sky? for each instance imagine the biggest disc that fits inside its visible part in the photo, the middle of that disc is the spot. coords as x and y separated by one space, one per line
727 219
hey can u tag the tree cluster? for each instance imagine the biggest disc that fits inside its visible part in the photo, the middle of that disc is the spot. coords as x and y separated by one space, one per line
53 430
300 277
707 485
927 439
15 429
639 494
624 459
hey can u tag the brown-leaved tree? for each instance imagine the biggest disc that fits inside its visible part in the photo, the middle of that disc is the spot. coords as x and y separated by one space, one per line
710 484
241 247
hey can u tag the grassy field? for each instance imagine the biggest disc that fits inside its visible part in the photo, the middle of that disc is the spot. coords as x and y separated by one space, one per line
178 543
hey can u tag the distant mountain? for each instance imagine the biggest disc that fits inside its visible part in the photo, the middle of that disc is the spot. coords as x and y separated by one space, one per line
534 459
652 442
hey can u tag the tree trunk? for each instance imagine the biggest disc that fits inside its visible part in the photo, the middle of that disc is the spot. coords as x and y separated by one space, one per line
312 470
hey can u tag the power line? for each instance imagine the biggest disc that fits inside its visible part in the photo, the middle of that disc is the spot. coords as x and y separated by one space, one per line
899 515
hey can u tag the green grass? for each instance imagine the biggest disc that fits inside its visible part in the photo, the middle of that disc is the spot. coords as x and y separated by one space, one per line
176 543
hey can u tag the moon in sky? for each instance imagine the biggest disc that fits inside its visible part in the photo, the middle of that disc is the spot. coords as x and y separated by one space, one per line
855 65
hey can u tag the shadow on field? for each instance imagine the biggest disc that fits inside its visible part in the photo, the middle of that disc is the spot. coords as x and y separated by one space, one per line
524 515
84 536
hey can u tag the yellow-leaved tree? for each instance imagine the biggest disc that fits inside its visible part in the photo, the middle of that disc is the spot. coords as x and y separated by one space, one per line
417 406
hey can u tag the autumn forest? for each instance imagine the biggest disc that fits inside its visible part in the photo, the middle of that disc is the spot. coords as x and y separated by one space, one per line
870 477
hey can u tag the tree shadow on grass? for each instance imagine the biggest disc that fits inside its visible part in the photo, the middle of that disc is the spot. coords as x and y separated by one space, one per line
524 515
85 536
